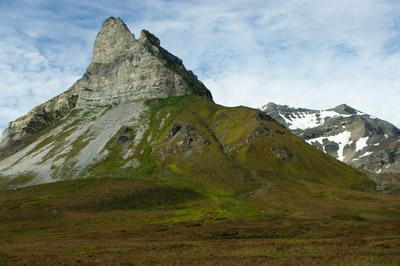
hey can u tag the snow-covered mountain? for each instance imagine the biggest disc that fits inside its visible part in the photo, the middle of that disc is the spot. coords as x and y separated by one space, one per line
345 133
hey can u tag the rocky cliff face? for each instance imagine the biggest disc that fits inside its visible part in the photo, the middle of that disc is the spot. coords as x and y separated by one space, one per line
351 136
122 70
20 132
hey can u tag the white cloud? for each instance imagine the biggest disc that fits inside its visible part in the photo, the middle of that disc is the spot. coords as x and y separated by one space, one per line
314 54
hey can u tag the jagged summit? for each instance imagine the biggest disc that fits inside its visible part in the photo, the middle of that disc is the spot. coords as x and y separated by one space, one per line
344 109
113 40
124 69
272 105
345 133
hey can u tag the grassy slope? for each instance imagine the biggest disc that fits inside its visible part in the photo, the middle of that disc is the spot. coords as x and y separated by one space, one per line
239 169
235 191
229 157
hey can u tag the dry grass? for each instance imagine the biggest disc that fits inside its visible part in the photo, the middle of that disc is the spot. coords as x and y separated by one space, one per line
63 223
124 240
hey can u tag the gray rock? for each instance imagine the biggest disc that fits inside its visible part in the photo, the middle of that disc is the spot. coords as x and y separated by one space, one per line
124 69
354 137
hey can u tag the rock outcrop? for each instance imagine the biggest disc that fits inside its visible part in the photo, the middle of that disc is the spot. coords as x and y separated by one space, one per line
122 70
182 138
19 132
351 136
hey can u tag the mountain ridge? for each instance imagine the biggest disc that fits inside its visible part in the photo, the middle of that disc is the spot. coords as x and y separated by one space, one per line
345 133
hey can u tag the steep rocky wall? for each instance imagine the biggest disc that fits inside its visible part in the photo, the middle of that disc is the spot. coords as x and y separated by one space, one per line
18 132
124 69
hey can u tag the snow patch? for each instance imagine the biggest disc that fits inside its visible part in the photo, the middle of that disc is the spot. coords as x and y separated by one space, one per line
361 143
366 154
342 139
386 136
303 120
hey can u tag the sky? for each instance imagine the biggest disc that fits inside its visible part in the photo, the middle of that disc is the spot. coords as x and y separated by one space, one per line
301 53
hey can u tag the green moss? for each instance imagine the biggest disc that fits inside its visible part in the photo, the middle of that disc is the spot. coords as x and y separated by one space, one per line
212 209
17 181
75 112
108 108
34 203
174 168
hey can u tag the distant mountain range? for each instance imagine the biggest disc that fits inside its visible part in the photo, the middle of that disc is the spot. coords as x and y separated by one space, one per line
349 135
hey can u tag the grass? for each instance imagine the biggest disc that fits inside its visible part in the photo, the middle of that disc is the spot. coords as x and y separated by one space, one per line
20 180
124 221
131 237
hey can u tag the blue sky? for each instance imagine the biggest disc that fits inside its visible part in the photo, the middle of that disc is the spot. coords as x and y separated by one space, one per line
303 53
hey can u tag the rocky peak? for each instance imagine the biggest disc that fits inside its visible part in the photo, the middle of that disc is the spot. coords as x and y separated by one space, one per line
152 43
271 105
344 109
113 40
124 69
345 133
146 36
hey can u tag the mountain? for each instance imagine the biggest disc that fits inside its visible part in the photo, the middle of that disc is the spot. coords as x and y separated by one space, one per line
351 136
135 164
113 122
122 70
